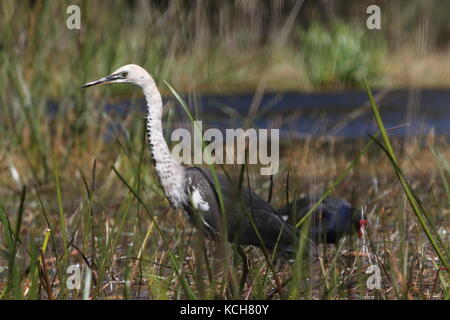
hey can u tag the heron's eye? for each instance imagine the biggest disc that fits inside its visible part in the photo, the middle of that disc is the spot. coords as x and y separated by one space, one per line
124 74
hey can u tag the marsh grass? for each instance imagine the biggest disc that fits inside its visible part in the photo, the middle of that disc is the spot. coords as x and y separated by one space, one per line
105 201
69 196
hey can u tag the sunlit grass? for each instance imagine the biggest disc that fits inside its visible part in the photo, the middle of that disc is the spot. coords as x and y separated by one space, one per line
104 208
109 226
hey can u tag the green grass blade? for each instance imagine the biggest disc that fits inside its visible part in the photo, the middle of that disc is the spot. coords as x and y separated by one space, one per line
412 199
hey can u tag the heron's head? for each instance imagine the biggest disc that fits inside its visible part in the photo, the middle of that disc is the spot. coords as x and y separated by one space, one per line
130 73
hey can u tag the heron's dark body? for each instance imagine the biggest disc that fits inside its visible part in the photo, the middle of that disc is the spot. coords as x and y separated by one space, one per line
331 220
241 208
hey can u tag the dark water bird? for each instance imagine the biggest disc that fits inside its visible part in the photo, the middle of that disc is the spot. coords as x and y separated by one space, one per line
330 221
248 219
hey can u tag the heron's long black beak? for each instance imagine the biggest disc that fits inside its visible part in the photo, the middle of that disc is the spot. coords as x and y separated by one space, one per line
105 80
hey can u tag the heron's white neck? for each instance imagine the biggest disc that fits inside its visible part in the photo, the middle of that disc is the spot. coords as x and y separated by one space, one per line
170 173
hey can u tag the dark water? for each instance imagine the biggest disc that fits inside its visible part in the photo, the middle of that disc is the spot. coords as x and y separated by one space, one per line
343 114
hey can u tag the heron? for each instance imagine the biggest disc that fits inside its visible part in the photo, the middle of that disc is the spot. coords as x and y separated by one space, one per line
332 219
249 219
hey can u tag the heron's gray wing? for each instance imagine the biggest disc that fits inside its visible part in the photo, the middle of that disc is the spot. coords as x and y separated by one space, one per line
244 211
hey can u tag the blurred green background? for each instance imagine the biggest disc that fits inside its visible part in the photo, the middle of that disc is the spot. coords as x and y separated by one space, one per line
227 46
